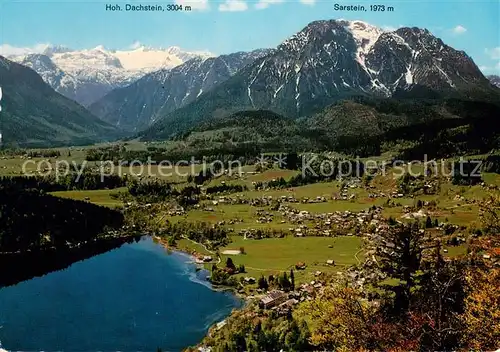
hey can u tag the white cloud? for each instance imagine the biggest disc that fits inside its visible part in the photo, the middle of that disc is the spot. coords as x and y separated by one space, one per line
459 29
195 4
493 53
308 2
264 4
233 5
9 50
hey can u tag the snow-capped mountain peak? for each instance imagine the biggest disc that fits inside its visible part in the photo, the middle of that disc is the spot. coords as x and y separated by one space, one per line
365 36
96 58
96 71
173 50
54 49
495 80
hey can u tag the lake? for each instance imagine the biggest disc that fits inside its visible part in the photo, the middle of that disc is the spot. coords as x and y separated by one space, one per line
137 297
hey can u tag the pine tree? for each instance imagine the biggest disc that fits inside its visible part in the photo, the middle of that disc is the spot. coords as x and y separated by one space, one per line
284 283
400 253
230 264
428 222
241 268
262 283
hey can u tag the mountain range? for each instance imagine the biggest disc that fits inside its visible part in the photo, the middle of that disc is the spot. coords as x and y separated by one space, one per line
33 114
87 75
137 106
332 68
332 60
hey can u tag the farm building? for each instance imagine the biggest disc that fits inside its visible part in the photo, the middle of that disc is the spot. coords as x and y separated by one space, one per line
272 299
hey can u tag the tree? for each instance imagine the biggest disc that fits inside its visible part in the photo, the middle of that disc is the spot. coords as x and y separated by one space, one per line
481 317
489 213
404 183
441 301
428 222
283 282
241 268
292 161
262 283
399 251
252 345
171 241
339 320
230 265
242 250
292 279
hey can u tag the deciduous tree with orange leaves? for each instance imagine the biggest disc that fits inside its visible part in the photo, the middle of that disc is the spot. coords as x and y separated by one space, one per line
481 317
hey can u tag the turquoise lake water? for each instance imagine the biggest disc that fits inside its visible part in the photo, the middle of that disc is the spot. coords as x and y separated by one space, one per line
134 298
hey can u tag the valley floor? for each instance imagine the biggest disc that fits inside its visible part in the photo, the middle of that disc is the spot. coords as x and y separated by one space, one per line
316 230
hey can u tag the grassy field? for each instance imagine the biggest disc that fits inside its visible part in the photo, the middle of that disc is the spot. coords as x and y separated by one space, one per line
454 251
99 197
20 166
491 179
275 255
190 247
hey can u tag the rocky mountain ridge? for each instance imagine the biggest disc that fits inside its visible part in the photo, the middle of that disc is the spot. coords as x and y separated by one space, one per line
137 106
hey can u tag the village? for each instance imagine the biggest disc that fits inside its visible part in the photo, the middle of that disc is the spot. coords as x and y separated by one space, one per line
321 231
279 219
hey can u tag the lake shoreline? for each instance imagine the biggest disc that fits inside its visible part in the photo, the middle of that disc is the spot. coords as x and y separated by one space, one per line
194 255
54 259
153 319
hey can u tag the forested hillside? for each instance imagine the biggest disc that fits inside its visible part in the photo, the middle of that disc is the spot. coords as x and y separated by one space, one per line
33 221
33 114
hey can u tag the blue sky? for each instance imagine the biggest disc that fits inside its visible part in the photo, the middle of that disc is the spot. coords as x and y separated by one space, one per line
226 26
